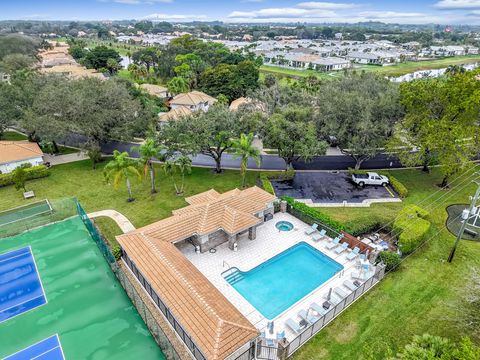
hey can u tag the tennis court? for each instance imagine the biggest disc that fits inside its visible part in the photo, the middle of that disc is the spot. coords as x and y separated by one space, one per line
21 289
47 349
25 212
87 306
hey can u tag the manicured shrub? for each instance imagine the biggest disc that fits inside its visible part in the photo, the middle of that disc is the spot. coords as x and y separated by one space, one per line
34 172
116 251
266 184
411 227
390 259
311 215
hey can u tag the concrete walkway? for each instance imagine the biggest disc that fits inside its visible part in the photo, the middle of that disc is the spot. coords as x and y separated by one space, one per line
121 220
64 159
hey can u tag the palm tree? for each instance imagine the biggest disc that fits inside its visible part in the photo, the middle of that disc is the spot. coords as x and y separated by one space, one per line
148 151
120 168
170 168
244 150
184 164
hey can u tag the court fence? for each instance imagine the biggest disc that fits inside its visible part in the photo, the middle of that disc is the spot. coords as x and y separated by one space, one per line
149 319
25 218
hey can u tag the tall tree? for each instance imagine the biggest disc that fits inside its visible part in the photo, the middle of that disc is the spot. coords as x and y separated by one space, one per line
121 168
149 151
148 57
360 112
441 123
208 133
245 150
294 137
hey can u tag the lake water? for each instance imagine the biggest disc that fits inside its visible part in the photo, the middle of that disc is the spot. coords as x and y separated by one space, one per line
433 73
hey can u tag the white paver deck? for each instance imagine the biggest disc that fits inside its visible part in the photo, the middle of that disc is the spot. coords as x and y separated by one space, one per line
269 242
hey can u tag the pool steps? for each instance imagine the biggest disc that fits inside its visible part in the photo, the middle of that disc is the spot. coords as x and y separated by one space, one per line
233 275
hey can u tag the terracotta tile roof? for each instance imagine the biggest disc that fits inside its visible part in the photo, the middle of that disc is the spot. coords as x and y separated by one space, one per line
154 90
192 98
235 104
174 114
18 150
214 324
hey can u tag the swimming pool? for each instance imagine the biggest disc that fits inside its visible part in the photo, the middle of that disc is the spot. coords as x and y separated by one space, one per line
278 283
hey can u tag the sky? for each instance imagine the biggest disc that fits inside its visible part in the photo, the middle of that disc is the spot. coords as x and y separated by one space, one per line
256 11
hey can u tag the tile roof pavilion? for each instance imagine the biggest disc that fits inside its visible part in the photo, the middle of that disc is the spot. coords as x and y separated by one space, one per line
215 325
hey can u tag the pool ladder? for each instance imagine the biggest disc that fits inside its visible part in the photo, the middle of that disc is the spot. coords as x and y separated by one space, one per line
232 275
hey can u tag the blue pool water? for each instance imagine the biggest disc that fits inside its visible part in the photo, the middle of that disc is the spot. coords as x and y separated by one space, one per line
278 283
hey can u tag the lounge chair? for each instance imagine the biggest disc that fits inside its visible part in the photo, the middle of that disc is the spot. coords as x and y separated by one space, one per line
319 236
333 244
319 309
311 229
354 253
305 315
280 335
270 342
361 275
334 299
349 285
340 292
293 325
341 248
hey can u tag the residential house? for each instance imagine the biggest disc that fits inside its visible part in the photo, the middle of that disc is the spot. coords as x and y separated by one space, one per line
16 153
174 114
194 101
155 90
209 325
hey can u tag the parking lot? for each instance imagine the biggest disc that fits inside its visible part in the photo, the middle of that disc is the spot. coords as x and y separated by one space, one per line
320 187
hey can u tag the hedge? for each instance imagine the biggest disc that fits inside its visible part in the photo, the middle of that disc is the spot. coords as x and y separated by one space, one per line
411 227
34 172
390 259
310 215
266 184
399 188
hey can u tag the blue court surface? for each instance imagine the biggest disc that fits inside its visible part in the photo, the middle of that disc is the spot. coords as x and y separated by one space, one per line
48 349
20 286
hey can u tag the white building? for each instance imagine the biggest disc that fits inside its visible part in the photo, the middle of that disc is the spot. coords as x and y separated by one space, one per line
16 153
194 101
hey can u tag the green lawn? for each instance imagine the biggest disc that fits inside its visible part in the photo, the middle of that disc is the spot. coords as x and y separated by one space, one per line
13 136
418 298
77 179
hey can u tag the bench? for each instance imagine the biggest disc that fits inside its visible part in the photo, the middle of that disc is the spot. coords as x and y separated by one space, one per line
28 195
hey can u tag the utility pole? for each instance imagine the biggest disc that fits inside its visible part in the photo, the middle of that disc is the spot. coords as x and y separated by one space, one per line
466 215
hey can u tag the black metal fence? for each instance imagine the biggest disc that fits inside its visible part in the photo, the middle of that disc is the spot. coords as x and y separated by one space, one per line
283 352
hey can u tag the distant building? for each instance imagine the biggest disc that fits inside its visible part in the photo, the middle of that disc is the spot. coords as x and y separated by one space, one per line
194 101
155 90
16 153
174 114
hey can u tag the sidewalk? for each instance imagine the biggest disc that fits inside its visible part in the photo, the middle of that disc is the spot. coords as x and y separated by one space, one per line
64 159
121 220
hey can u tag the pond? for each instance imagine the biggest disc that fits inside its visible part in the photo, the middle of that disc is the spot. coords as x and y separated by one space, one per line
432 73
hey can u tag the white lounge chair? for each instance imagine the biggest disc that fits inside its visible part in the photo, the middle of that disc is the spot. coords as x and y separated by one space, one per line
349 285
361 275
341 248
311 229
319 309
293 325
333 244
309 317
334 299
340 292
320 235
354 253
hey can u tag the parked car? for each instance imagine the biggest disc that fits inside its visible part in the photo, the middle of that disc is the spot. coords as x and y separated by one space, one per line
370 178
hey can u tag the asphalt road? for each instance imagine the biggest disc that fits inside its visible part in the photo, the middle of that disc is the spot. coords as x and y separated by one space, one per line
273 162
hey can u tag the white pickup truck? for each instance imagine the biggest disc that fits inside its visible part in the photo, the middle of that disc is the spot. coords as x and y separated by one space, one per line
370 178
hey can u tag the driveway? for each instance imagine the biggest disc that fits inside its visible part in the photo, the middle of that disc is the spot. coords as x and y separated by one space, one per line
329 188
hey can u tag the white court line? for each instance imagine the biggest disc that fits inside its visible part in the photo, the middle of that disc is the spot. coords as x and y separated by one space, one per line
41 285
38 342
13 257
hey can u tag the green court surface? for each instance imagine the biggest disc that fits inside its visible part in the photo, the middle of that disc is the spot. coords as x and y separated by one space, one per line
86 305
24 212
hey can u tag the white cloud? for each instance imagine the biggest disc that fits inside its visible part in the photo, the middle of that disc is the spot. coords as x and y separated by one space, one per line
175 17
326 5
390 14
458 4
281 13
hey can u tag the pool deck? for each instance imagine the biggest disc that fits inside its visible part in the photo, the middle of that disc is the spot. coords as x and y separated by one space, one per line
269 242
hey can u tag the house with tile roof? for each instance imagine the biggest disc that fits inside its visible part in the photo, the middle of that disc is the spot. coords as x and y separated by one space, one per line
16 153
155 90
210 326
194 101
